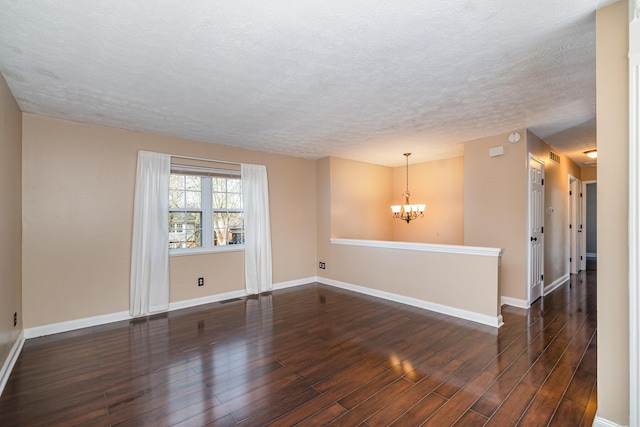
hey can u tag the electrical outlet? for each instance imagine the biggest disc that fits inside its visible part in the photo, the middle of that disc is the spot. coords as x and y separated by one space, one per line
15 319
200 281
322 265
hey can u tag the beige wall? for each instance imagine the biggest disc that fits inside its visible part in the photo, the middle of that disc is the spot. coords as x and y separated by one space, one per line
612 111
495 201
439 184
78 203
323 203
432 277
556 196
466 282
589 174
11 223
360 196
360 200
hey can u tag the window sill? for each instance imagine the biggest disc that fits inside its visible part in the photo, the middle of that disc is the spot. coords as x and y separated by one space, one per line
201 251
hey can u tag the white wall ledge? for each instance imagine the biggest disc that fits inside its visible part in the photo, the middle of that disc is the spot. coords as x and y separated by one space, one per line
424 247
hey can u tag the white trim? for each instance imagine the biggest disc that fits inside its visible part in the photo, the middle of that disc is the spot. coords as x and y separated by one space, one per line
11 360
601 422
71 325
514 302
634 227
293 283
209 250
424 247
87 322
206 300
496 322
555 284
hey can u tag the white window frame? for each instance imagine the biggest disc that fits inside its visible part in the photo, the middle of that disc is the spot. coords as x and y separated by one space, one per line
206 209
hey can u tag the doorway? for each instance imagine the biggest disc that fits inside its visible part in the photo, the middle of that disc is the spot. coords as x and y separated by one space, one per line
577 261
591 230
536 228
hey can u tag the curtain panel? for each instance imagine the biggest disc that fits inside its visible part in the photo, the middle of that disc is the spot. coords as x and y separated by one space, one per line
149 287
257 229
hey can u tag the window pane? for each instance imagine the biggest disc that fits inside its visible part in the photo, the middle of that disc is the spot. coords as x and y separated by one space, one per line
233 201
219 184
234 186
185 230
176 199
194 199
219 201
176 182
228 228
193 183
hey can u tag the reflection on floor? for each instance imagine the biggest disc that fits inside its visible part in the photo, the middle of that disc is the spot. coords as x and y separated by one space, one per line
317 355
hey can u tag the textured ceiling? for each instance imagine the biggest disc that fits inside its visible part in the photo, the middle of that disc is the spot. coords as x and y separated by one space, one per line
365 80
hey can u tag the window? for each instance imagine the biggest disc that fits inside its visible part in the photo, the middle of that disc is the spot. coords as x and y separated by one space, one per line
228 227
205 210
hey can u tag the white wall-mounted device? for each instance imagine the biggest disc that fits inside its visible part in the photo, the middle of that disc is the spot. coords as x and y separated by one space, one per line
496 151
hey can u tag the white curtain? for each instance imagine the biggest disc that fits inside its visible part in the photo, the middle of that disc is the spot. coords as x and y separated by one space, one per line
257 230
150 250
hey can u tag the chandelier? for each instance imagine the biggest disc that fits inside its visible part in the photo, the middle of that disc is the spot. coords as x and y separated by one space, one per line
408 212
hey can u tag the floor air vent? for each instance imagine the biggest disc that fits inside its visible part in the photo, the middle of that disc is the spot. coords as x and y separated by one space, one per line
229 300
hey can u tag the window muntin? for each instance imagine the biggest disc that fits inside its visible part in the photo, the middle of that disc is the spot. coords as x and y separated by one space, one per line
205 211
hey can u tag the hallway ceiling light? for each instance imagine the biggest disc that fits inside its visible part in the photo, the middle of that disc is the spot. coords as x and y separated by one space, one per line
408 212
592 154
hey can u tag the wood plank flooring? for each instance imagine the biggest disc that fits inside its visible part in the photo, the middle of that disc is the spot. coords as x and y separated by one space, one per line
316 355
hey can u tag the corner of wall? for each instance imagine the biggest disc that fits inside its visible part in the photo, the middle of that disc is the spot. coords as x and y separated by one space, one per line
10 230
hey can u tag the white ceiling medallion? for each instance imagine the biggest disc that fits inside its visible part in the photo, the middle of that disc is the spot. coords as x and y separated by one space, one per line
514 137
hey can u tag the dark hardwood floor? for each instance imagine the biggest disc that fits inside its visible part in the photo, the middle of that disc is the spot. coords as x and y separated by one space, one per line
316 355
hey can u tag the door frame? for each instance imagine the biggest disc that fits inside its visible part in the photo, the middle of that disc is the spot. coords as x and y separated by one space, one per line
634 213
529 266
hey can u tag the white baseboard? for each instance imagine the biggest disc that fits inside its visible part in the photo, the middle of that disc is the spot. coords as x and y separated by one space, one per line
601 422
496 322
293 283
87 322
514 302
124 315
556 284
206 300
7 367
71 325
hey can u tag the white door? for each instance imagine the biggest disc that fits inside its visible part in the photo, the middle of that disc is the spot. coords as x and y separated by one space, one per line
536 229
580 229
575 225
